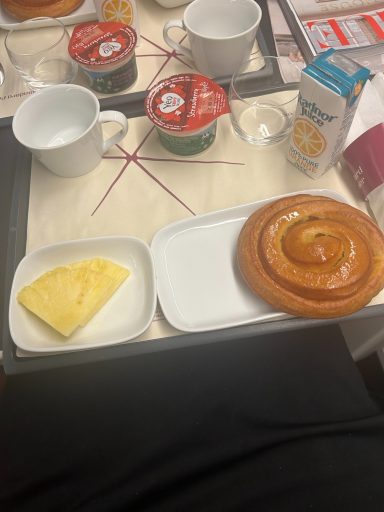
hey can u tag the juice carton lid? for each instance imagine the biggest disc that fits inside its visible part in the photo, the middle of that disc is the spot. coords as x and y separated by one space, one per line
185 102
95 43
339 73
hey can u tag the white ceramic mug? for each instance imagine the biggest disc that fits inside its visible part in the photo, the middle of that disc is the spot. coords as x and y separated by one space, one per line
62 126
221 34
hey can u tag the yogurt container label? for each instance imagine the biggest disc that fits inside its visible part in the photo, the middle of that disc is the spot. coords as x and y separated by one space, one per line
186 103
97 44
191 144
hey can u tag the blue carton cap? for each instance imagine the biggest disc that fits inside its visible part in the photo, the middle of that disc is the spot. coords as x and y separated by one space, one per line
339 73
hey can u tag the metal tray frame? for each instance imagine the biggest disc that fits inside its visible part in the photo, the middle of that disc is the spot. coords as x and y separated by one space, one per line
14 198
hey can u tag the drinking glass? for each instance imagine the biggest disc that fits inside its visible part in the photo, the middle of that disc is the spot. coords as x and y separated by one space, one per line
263 97
38 49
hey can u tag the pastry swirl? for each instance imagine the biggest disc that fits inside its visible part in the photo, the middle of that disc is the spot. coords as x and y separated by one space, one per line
312 256
26 9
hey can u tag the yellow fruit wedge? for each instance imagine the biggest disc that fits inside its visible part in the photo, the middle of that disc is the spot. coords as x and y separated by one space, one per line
68 297
98 295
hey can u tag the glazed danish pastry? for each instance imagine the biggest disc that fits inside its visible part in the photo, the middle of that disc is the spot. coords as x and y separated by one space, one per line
26 9
312 256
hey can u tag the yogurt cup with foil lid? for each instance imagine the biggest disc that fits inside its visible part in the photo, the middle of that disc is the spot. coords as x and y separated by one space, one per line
105 52
184 109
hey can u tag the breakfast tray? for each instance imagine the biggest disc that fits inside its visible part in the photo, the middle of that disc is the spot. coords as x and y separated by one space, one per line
225 176
230 174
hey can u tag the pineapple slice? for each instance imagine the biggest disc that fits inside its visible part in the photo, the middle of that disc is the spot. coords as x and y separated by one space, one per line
68 297
101 292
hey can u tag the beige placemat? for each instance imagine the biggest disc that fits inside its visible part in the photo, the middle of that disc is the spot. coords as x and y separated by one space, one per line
139 187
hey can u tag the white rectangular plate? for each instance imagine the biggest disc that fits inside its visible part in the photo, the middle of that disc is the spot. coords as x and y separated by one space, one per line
125 316
86 12
198 283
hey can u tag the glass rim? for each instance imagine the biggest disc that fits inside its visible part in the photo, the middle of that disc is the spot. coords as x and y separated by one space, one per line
274 87
53 22
266 93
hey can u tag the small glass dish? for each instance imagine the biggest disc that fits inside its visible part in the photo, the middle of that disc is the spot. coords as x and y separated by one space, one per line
263 97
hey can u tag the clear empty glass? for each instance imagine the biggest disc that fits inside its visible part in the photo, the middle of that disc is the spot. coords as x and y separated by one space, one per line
263 97
38 49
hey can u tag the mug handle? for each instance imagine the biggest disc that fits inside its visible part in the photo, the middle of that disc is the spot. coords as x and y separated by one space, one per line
170 42
116 117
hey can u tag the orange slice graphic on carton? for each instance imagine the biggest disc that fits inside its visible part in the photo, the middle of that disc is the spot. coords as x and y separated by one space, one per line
308 139
118 10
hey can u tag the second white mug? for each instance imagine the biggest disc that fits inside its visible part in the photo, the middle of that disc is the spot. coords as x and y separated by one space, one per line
62 126
221 34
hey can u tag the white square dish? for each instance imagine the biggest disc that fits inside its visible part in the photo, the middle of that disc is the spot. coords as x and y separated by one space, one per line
125 316
198 282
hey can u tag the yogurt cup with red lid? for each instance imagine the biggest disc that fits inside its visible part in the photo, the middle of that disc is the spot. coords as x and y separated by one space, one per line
184 109
105 52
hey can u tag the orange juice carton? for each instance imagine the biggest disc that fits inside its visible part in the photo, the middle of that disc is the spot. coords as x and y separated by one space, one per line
329 93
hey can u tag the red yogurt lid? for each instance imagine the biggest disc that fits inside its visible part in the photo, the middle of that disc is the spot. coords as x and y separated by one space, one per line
185 102
98 43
